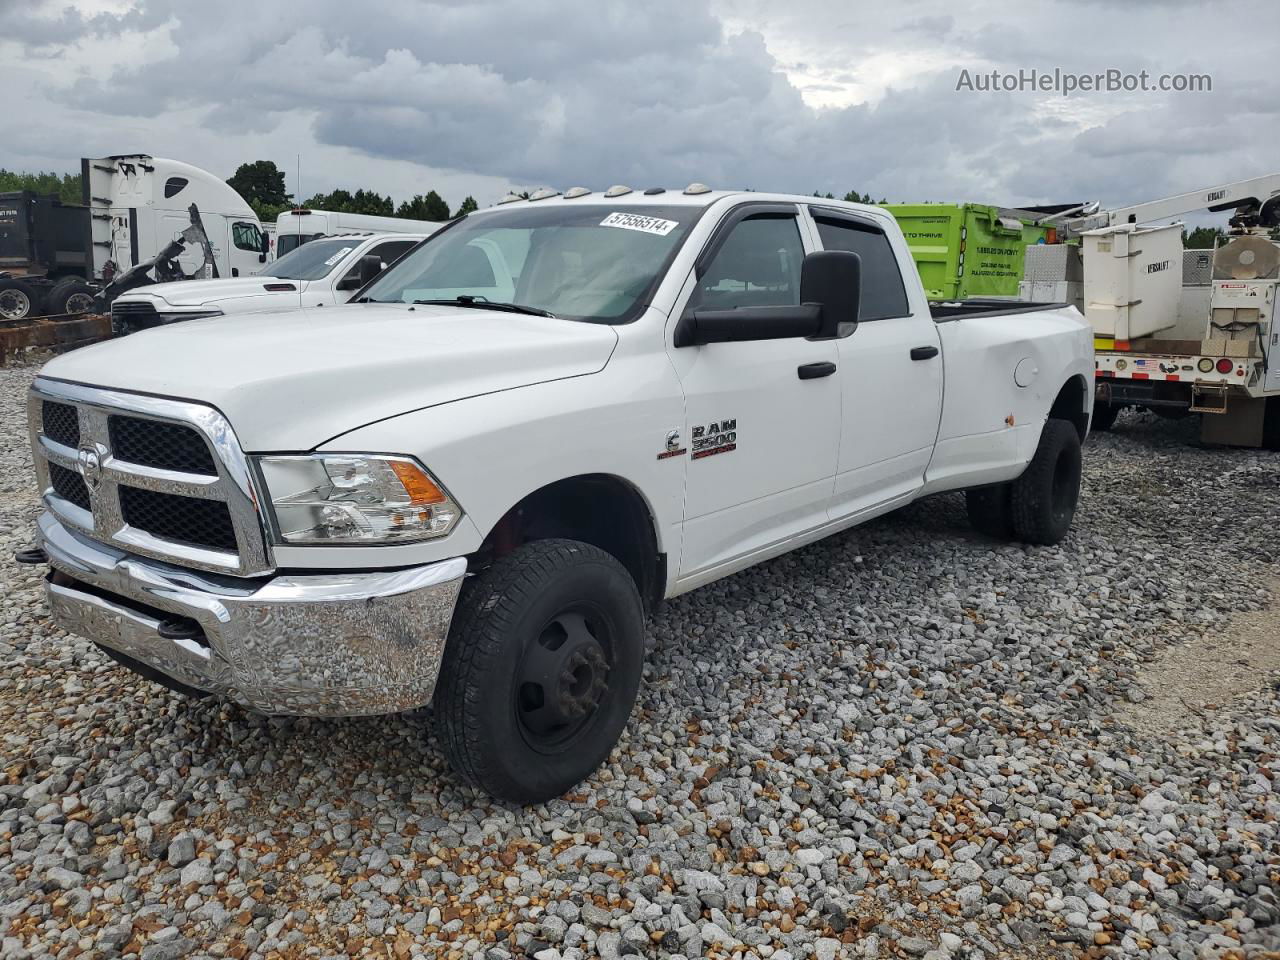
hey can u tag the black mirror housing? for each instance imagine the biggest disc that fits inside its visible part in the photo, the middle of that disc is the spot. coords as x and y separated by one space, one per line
832 279
369 267
748 323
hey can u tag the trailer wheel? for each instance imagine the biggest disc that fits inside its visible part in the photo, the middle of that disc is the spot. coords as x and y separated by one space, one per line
1044 498
990 511
541 669
1104 416
70 295
18 299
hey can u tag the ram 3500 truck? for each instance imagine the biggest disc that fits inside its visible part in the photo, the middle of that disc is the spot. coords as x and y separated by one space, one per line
468 488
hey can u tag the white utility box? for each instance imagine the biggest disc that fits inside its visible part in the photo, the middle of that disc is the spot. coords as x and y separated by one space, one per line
1132 279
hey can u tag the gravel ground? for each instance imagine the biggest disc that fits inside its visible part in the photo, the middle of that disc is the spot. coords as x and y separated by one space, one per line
903 741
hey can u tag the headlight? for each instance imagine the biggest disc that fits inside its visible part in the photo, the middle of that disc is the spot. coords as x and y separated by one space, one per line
348 498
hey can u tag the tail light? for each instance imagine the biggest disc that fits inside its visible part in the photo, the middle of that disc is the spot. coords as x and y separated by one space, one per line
1225 365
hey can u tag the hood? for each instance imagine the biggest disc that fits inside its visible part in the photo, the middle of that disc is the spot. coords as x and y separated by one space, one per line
290 381
195 293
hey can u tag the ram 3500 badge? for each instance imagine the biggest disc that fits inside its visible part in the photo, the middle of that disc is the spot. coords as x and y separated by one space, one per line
447 491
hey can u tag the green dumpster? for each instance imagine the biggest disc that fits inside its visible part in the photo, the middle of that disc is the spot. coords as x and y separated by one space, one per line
967 249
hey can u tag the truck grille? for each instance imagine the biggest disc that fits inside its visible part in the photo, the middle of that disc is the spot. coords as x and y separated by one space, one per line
160 478
202 523
128 317
154 443
69 485
61 423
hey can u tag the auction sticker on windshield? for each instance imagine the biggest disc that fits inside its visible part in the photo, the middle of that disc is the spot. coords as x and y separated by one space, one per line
338 256
634 221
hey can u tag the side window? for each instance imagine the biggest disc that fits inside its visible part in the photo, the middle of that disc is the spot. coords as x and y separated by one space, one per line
393 250
246 236
758 265
173 186
883 294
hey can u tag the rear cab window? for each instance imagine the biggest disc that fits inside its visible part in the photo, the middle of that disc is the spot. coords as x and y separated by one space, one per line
884 295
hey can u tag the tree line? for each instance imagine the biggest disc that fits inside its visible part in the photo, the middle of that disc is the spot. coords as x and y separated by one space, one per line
262 185
66 186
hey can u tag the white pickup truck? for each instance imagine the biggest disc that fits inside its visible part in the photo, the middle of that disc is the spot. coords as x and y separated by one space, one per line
468 486
322 273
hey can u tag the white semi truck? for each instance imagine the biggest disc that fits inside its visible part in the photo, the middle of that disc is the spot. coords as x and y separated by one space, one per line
144 219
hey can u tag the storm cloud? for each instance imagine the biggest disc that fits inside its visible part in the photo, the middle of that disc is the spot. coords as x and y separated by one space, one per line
737 93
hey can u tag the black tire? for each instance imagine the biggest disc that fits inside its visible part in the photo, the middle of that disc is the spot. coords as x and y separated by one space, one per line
1104 416
990 511
553 617
70 295
19 299
1044 498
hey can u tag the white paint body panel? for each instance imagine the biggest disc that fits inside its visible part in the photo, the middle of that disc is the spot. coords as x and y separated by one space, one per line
498 406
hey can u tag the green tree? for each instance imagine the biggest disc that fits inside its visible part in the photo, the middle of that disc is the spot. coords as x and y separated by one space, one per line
66 186
262 185
469 205
1202 238
371 203
428 207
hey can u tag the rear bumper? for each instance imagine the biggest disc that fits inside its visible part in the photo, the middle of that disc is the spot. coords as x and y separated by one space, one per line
316 645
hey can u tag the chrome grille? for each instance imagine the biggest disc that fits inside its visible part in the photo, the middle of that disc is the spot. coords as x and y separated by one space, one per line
153 443
69 485
161 478
202 523
61 423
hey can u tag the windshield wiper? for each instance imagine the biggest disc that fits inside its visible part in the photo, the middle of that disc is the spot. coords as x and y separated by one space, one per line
368 300
468 300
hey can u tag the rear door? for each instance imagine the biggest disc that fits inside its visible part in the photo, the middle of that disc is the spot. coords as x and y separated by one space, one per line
890 369
762 417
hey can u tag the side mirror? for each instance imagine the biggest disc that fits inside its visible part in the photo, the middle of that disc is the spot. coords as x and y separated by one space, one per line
830 291
833 280
369 267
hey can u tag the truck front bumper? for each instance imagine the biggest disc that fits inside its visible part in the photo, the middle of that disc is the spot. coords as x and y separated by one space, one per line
345 644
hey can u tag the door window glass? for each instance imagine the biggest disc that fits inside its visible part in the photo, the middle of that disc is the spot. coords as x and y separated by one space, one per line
883 293
758 265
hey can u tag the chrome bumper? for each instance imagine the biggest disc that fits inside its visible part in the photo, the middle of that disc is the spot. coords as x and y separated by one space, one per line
305 645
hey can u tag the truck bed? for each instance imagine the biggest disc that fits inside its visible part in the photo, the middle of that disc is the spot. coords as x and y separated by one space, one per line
945 310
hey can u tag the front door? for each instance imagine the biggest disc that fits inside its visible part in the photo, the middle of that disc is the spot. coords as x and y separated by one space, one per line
762 417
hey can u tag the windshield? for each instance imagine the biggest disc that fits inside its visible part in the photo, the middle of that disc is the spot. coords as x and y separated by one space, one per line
590 262
289 242
310 261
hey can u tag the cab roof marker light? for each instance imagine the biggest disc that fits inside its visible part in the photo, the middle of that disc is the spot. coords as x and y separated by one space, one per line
544 194
696 188
511 198
576 192
617 190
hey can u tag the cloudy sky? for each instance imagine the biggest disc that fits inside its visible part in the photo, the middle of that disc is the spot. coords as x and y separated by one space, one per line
476 97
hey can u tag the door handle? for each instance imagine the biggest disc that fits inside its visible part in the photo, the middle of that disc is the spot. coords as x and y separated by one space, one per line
815 371
924 353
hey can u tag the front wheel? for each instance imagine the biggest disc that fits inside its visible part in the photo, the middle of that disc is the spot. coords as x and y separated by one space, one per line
1043 500
541 670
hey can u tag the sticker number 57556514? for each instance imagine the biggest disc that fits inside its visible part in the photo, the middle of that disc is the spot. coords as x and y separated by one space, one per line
634 221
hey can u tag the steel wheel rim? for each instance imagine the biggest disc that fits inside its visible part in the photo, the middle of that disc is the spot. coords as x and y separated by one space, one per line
562 679
80 303
14 304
